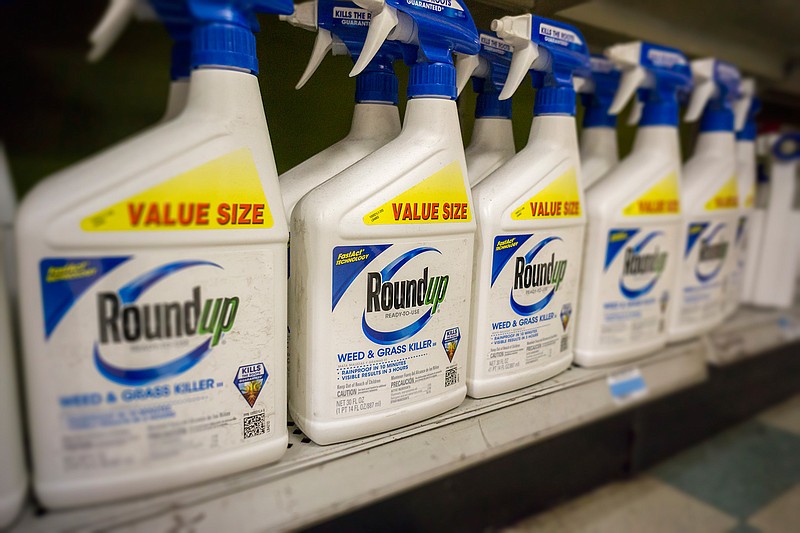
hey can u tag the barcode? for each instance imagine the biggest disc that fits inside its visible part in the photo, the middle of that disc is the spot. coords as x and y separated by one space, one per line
254 425
564 343
450 376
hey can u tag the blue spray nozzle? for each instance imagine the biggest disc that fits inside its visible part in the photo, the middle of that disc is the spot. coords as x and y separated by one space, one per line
342 29
434 29
554 52
598 93
657 73
787 147
716 88
488 71
223 34
179 22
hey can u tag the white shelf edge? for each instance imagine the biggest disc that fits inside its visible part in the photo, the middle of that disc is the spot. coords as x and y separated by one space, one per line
313 483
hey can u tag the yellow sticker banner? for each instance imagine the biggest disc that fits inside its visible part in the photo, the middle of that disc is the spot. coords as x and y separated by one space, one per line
225 193
663 198
560 199
727 196
439 198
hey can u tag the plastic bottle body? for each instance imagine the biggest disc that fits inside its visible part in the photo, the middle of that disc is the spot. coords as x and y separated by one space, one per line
159 281
777 260
631 259
746 174
599 152
381 284
373 126
13 478
527 262
492 144
710 218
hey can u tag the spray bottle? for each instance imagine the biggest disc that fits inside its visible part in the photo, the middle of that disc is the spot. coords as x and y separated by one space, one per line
598 144
341 28
634 217
13 478
175 17
774 284
746 108
531 222
492 142
153 291
710 204
383 252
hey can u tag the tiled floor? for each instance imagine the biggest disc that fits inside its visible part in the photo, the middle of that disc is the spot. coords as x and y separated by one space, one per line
746 479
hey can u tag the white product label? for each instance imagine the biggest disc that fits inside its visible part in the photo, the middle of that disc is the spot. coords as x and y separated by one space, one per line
736 278
533 293
638 272
159 358
704 270
400 315
627 386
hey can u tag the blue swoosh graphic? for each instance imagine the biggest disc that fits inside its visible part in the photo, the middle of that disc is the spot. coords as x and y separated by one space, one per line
646 240
391 269
133 290
538 248
393 337
528 310
635 293
135 377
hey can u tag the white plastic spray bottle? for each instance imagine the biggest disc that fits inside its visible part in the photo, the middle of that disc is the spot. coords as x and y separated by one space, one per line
598 143
632 256
492 142
531 222
13 477
342 28
746 108
177 20
774 284
710 204
153 291
382 252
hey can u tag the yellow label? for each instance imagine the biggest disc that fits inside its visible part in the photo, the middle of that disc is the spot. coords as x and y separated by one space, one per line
727 196
661 199
225 193
439 198
559 199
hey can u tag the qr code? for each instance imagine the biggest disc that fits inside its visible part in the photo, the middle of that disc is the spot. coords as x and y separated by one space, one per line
254 425
451 376
564 343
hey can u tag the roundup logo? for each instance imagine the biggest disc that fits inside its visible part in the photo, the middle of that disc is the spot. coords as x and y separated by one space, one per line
643 265
123 320
532 272
643 262
713 249
403 297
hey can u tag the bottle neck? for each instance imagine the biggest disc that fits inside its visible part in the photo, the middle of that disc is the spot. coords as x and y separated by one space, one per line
556 101
660 139
556 130
374 121
488 105
716 119
493 133
225 92
718 143
599 141
438 116
660 113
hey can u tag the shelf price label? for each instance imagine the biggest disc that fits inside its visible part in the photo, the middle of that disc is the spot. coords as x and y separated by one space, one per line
627 386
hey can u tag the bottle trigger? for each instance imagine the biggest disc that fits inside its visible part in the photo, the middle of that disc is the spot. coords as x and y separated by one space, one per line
383 21
322 45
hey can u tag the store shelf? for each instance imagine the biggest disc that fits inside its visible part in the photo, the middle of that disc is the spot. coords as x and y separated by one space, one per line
750 332
312 482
